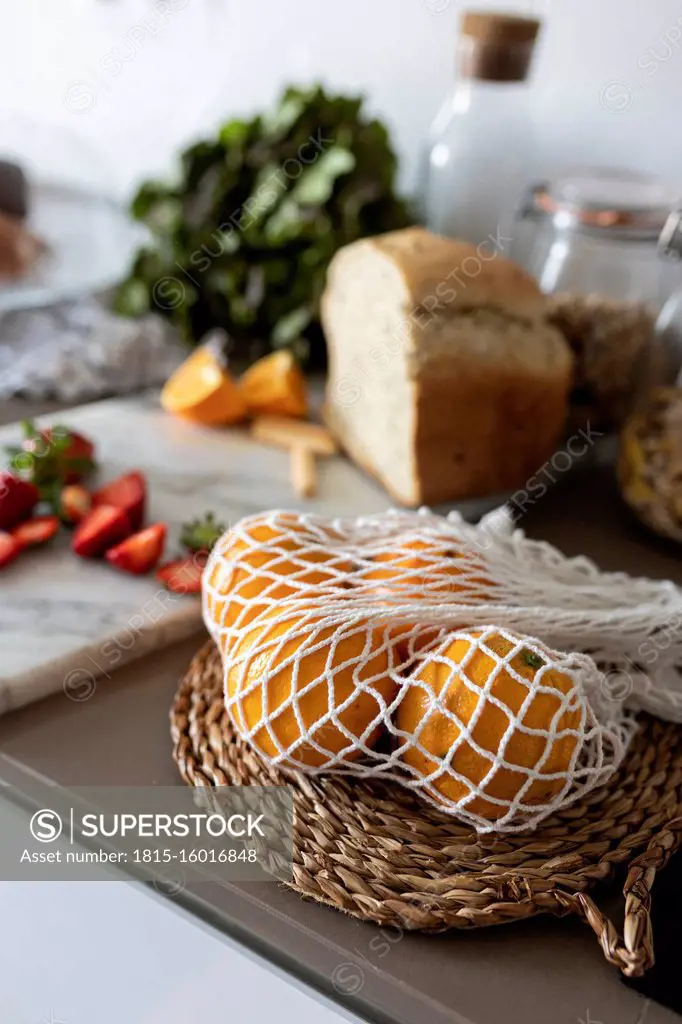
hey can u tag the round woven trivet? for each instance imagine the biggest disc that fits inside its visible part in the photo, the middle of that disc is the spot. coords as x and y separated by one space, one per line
372 849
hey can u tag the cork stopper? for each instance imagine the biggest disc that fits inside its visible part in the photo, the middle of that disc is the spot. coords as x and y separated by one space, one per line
496 47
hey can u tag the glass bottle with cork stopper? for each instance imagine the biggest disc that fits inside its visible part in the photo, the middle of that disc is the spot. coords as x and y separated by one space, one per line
481 148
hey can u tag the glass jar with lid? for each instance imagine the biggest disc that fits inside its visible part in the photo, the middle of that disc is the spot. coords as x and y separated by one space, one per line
650 457
591 241
597 231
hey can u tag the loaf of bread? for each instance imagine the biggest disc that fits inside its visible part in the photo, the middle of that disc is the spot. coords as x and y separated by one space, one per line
445 381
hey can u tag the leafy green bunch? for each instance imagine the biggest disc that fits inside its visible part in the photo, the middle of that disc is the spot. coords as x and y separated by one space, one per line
242 241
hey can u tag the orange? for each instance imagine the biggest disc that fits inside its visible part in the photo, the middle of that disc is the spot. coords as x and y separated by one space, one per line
460 691
419 569
268 561
262 658
275 386
202 390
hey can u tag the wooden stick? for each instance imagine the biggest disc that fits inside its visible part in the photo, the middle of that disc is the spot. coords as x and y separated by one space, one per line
289 433
303 471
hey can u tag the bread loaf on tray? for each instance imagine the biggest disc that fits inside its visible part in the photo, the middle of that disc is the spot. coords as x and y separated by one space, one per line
445 381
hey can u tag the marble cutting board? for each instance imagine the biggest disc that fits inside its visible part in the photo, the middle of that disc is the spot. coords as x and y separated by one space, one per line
68 624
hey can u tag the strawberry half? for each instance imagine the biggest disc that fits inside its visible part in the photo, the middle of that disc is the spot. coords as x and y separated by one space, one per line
140 553
128 492
74 503
10 548
18 498
103 528
36 531
182 576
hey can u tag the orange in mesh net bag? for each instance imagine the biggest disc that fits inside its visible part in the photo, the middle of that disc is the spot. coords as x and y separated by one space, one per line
305 689
419 570
484 706
265 562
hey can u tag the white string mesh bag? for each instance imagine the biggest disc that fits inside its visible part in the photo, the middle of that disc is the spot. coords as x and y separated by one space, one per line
631 626
332 630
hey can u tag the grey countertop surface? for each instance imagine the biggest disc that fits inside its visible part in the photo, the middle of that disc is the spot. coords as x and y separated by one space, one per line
534 971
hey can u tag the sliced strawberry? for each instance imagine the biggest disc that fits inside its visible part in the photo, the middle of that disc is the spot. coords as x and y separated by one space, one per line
36 531
18 498
10 548
182 576
140 553
103 528
74 503
128 492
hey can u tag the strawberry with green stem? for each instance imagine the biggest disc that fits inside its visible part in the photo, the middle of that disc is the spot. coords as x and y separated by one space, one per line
51 459
183 575
200 535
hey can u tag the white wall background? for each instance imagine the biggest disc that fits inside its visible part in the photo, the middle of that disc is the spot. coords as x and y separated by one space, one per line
607 88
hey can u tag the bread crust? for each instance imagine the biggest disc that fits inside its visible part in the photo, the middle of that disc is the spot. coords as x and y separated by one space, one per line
444 273
491 437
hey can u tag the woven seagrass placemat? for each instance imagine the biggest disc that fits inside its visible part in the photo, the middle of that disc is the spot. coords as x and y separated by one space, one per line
373 850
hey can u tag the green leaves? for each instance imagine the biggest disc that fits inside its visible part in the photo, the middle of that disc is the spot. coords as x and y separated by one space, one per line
316 184
256 216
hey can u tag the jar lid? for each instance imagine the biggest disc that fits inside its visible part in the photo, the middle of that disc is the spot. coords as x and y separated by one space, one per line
629 205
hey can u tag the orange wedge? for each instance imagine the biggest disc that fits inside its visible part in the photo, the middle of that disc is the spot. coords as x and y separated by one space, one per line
275 386
202 390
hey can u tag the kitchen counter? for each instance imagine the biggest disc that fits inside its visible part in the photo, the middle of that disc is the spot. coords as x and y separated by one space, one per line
516 974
